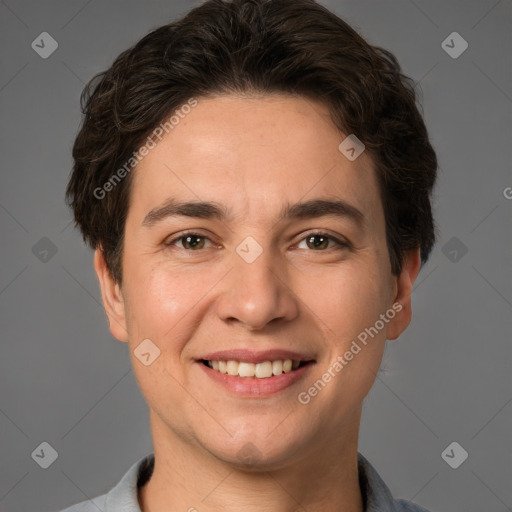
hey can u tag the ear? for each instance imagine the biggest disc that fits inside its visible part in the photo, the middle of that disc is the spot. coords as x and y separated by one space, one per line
113 300
402 294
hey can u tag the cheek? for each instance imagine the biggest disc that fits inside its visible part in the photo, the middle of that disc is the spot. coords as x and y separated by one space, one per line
348 300
162 307
160 302
350 306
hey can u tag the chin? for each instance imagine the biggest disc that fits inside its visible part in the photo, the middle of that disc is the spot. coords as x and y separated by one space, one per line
257 452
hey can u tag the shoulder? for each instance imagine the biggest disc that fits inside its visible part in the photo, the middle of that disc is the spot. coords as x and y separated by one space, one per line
377 495
96 505
122 497
408 506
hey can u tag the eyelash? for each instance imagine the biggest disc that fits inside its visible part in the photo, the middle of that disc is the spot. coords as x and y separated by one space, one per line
341 245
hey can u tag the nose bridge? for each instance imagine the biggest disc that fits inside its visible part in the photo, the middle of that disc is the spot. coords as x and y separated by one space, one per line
256 291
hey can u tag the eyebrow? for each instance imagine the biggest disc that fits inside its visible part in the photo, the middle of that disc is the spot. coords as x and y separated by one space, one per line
211 210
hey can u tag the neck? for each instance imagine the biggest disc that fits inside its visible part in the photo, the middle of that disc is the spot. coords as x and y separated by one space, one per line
188 478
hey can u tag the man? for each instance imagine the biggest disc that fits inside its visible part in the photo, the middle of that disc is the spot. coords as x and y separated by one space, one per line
255 180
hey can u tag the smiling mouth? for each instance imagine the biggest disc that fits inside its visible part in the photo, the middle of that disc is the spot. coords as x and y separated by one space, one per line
263 370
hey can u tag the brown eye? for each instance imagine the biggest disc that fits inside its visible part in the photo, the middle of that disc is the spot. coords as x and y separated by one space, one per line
192 242
321 241
317 242
189 241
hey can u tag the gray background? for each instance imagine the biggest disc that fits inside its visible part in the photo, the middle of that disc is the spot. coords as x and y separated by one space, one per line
66 381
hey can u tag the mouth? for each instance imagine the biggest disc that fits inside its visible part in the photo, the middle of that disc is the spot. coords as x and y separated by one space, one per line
245 373
262 370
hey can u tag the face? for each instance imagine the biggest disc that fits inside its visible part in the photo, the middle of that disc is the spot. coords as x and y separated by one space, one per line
284 263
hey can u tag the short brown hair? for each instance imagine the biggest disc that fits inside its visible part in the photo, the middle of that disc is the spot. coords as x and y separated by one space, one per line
254 46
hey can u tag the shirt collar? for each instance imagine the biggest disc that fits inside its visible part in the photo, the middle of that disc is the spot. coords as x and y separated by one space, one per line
124 496
376 495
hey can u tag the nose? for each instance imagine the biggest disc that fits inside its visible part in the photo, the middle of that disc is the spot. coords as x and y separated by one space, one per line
255 294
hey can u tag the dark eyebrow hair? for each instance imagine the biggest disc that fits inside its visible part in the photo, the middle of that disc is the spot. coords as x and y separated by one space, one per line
321 207
198 209
212 210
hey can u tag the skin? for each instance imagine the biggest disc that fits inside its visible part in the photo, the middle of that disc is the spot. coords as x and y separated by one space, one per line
254 155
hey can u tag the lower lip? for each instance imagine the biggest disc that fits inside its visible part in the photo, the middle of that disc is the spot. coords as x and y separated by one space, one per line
254 387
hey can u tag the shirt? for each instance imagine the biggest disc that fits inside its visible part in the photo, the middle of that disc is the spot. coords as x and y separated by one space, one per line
123 497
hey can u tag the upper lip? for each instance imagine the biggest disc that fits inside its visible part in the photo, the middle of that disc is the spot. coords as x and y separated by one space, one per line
251 356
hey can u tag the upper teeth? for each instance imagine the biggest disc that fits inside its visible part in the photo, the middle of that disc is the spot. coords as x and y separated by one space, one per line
259 370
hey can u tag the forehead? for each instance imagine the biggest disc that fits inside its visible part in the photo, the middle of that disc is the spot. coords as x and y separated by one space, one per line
254 154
